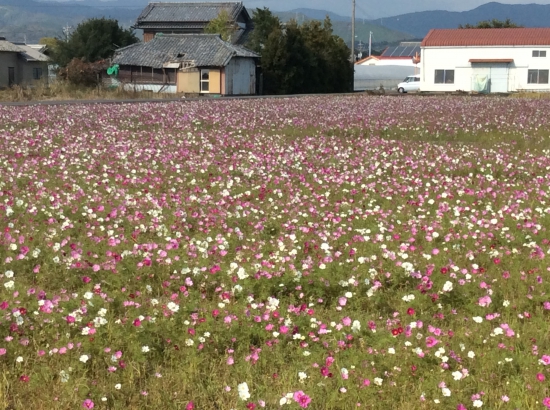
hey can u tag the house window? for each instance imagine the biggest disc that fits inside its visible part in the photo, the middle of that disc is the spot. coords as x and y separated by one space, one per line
37 73
537 76
205 81
444 76
539 53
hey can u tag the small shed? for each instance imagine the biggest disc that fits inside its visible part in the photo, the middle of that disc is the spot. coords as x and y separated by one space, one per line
189 63
493 60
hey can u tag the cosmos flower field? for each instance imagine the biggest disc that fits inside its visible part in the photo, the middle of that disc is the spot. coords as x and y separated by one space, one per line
320 252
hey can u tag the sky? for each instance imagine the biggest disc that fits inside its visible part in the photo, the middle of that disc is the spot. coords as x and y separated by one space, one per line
378 8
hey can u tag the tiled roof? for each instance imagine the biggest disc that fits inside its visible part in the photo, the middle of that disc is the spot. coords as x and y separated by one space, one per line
187 12
30 53
206 50
9 47
487 37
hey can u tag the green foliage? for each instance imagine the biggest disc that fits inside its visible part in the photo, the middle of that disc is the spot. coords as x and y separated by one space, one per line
300 59
51 44
265 22
494 23
222 25
93 40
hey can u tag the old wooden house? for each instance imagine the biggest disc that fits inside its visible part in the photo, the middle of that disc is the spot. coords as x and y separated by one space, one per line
192 18
190 63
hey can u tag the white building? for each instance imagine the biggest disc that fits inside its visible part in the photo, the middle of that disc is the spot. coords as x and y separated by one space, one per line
486 60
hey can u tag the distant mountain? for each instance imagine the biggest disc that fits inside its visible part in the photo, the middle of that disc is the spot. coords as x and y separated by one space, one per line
342 27
418 24
30 20
319 14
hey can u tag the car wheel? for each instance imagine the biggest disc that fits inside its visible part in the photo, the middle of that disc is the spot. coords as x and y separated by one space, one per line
401 90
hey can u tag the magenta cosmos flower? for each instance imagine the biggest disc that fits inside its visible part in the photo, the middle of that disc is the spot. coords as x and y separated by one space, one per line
302 399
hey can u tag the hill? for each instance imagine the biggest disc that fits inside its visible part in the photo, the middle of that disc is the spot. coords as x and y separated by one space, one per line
342 26
418 24
30 20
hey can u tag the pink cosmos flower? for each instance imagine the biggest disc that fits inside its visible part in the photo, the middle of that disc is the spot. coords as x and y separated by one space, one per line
88 404
431 341
302 399
546 402
484 301
545 360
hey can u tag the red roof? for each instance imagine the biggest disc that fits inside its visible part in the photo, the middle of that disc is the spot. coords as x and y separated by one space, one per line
487 37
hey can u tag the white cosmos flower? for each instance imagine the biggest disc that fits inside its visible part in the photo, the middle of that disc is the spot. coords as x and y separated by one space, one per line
457 375
448 286
84 358
174 307
242 388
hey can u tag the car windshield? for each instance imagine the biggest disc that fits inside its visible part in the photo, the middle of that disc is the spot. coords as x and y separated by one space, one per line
408 80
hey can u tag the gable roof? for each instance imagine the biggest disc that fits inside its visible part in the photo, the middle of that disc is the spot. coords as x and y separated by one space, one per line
9 47
32 52
205 50
160 14
367 59
487 37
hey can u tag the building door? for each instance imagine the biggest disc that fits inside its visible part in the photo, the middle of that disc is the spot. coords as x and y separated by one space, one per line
495 75
11 76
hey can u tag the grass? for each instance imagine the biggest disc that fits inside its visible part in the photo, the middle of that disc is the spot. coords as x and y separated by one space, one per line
62 90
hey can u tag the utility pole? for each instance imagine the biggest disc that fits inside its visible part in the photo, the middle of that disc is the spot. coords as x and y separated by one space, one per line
67 30
370 42
353 34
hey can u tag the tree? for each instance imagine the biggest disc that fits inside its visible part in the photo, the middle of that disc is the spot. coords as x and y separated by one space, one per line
330 70
265 22
298 59
51 44
222 25
494 23
93 40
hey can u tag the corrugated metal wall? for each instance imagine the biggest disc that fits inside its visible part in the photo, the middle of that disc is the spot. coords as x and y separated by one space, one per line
240 77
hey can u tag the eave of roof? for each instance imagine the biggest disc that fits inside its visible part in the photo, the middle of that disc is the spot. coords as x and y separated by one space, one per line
491 60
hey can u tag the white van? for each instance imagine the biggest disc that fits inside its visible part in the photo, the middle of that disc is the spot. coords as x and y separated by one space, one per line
411 83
